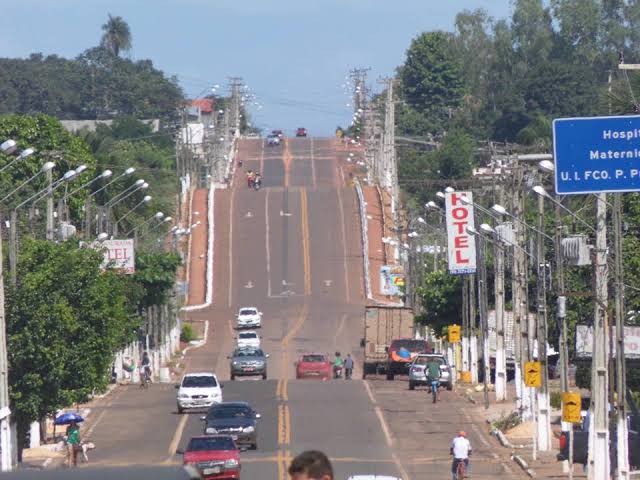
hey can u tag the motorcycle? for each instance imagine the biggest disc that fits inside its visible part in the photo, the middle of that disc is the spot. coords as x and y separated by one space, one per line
257 184
337 372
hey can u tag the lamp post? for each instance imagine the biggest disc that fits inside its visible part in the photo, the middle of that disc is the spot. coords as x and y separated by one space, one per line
157 216
87 204
9 147
45 168
146 199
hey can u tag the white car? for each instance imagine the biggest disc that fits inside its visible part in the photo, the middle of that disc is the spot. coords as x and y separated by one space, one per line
198 390
248 338
249 317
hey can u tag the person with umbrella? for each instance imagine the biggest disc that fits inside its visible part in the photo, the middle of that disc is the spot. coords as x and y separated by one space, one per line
73 443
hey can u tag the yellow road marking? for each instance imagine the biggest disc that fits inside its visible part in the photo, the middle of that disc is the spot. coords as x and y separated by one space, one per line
287 422
286 159
173 446
304 225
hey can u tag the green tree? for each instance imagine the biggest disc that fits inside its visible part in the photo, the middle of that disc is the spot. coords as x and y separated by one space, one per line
431 77
441 299
156 273
65 321
455 158
116 36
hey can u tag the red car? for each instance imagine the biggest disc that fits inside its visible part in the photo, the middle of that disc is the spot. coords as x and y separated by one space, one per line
301 132
314 365
214 456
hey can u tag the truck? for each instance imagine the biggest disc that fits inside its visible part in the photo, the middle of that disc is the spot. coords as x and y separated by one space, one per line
382 326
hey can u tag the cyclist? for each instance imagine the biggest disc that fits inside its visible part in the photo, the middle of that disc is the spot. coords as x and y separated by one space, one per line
461 451
433 376
145 370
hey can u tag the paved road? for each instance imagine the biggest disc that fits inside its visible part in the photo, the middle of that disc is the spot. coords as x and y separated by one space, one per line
292 249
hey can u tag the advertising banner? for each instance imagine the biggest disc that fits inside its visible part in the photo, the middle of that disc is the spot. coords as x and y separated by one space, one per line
392 280
461 250
584 341
118 255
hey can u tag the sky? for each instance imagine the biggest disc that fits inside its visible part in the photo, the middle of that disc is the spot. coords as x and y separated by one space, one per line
292 55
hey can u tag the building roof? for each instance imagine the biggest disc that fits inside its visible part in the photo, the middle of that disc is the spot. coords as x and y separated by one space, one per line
204 104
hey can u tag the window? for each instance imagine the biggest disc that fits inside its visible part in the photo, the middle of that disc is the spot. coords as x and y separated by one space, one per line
249 352
197 381
314 358
231 412
425 360
248 335
201 444
248 311
411 345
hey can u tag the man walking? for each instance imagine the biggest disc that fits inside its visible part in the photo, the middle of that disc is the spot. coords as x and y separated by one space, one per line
348 367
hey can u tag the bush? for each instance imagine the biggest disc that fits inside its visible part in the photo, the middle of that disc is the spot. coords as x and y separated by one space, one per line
556 400
187 334
507 422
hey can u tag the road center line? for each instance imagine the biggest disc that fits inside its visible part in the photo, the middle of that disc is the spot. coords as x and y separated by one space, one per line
304 225
176 437
268 253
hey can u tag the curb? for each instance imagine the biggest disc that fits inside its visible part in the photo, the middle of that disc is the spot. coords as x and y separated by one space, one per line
522 463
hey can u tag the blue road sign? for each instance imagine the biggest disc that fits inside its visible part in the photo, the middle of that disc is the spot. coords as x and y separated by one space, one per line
597 154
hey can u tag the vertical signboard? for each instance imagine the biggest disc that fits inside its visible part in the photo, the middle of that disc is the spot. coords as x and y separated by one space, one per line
392 280
118 255
461 250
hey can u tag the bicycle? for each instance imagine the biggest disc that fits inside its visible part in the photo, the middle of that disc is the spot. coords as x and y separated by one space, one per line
461 468
435 384
146 379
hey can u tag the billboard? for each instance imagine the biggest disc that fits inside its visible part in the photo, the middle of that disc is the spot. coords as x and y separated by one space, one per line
597 154
392 280
118 255
584 341
461 251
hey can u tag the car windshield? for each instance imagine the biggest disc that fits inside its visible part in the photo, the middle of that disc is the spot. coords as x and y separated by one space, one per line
199 381
247 335
230 412
314 358
202 444
249 353
248 311
411 345
425 360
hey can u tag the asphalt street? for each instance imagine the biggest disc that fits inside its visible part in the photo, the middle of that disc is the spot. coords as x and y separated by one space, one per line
293 250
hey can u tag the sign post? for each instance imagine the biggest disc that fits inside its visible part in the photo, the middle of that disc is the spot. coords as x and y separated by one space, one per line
533 374
461 251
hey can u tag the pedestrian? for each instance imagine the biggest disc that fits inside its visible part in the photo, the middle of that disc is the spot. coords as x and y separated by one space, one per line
433 375
348 367
311 465
73 444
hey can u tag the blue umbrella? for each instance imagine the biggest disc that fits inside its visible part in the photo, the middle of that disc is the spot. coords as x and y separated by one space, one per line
68 417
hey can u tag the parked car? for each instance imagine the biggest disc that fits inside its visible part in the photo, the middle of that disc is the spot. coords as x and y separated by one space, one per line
248 361
249 317
417 370
248 338
313 365
198 390
236 419
278 133
214 457
401 353
301 132
273 140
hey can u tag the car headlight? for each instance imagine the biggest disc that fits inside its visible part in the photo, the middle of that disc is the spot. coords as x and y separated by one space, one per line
183 395
231 463
248 429
235 363
211 430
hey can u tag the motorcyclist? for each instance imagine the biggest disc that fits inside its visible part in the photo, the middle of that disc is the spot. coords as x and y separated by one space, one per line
250 178
337 365
146 367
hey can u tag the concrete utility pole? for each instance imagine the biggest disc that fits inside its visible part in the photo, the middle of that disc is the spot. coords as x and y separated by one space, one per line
483 308
501 361
544 407
622 431
473 333
6 448
599 462
50 225
235 84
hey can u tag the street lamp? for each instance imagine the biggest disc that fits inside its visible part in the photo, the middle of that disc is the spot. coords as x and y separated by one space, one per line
499 209
105 174
102 237
9 147
126 192
146 199
127 172
543 193
45 168
157 216
36 197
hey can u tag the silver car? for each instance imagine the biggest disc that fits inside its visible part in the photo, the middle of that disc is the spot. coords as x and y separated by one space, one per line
248 361
418 375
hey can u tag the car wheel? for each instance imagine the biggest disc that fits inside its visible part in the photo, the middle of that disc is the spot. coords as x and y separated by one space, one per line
254 446
233 377
390 376
264 376
449 386
412 386
180 409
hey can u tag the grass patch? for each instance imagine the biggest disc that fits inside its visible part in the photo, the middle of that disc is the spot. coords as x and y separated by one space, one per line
188 334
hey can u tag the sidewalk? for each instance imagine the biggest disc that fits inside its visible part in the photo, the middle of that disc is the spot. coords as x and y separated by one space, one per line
545 466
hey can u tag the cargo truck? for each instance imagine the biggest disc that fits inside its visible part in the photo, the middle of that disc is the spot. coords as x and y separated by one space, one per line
384 328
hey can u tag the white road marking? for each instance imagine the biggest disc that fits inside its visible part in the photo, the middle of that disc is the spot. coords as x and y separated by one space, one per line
249 284
313 166
249 215
173 446
344 246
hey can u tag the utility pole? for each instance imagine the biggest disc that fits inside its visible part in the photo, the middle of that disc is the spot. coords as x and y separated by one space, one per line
465 324
473 335
621 374
501 361
599 461
543 424
483 307
50 227
6 450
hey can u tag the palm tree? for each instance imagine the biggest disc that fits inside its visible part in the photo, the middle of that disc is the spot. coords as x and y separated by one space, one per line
116 36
